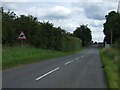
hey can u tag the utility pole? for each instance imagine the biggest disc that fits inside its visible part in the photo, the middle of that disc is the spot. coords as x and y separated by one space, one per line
118 10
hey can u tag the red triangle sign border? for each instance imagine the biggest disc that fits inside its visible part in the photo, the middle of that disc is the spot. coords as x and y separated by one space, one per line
22 36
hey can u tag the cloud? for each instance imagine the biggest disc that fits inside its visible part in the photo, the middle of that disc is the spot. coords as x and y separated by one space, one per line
56 12
97 34
60 10
95 14
68 15
97 23
96 10
18 8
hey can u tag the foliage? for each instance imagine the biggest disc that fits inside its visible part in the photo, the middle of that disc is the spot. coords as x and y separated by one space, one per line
110 59
116 45
84 33
39 34
112 25
70 43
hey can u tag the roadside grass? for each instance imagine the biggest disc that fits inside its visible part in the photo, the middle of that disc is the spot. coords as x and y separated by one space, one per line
100 46
110 59
16 56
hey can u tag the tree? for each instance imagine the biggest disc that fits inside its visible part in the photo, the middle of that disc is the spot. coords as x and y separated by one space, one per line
8 28
84 33
112 26
39 34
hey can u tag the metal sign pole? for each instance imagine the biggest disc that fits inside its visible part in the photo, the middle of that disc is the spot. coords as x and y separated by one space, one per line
21 43
21 37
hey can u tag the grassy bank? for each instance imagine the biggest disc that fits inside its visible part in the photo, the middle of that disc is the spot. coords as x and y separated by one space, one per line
110 59
15 56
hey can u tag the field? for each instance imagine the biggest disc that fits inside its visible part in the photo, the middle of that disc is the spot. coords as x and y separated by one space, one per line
110 59
15 56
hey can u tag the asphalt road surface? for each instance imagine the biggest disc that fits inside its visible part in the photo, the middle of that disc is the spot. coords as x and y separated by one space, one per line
81 70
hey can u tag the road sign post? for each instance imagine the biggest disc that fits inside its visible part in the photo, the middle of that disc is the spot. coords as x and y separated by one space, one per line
22 43
22 37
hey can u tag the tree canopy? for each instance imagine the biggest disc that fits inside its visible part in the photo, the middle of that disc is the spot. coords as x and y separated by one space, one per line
39 34
84 33
112 26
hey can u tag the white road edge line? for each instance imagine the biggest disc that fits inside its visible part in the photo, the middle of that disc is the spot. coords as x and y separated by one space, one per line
68 62
47 74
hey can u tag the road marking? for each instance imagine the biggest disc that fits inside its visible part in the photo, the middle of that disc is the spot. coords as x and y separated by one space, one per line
68 62
72 60
47 74
76 58
82 56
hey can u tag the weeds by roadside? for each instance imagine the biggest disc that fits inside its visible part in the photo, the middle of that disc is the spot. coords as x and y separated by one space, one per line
15 56
110 59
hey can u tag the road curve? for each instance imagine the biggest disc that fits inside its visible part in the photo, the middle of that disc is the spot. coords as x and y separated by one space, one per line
81 70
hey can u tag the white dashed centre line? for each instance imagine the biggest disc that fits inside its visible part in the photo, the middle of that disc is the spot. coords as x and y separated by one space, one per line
72 60
76 58
82 56
46 74
68 62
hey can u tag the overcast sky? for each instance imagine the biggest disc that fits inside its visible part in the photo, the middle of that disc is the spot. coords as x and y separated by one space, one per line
68 14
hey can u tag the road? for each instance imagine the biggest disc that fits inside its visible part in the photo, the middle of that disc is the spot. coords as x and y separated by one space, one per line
81 70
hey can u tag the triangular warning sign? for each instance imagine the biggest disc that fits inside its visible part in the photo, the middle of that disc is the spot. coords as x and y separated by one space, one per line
22 36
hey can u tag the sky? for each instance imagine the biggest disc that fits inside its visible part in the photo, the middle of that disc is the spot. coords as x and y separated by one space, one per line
67 14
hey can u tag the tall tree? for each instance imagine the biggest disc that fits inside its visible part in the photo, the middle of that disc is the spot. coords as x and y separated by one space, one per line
112 27
9 26
84 33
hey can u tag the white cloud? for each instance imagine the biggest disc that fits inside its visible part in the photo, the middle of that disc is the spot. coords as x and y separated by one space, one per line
97 34
60 10
52 0
69 15
18 8
56 12
97 23
96 10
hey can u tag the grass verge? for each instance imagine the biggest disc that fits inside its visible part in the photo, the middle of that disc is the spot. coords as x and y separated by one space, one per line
110 59
15 56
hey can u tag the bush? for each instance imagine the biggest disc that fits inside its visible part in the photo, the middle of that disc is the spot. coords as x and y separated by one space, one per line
70 43
116 45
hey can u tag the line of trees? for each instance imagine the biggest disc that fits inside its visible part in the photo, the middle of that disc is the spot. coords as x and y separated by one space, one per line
112 27
40 34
